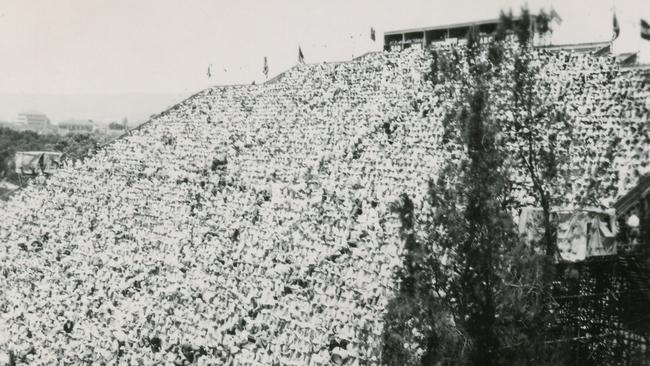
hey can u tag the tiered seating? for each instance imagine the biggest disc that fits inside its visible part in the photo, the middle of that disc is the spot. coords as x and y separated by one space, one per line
251 225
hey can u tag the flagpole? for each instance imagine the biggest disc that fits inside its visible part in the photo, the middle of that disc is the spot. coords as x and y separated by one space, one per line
615 26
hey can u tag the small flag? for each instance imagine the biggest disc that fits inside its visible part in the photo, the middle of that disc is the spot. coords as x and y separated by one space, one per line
209 71
617 29
645 30
372 33
266 67
301 57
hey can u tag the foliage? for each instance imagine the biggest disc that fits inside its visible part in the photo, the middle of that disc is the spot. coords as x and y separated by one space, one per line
116 126
418 328
78 146
454 277
471 292
73 147
12 141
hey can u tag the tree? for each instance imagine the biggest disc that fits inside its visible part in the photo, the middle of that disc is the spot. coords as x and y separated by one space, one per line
472 291
457 269
73 147
78 146
115 126
12 141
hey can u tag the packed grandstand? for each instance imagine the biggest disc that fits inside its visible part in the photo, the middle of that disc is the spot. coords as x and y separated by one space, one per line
251 225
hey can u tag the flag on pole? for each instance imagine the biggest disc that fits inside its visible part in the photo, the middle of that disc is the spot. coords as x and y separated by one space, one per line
372 33
266 67
301 57
617 29
645 30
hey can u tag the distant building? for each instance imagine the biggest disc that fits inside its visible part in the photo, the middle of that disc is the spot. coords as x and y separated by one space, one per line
443 34
116 129
37 162
457 34
73 126
37 122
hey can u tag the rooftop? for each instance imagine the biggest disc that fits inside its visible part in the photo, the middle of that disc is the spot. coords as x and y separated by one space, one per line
441 27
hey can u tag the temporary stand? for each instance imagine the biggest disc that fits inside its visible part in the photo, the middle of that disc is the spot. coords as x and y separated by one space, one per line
603 307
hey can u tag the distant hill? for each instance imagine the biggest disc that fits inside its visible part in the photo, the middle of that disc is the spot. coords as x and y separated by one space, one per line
137 107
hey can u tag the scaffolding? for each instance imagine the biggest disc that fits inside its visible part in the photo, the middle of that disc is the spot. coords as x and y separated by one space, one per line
602 308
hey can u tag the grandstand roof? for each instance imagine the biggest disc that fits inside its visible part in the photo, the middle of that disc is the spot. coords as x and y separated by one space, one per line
440 27
578 47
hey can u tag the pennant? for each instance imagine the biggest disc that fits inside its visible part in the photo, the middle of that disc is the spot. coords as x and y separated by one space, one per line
372 33
266 67
617 29
645 30
301 57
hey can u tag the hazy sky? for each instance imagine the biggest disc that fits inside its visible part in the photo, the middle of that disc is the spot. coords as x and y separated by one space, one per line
116 46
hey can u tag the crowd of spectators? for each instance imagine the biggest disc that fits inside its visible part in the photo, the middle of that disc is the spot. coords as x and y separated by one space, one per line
608 108
251 225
